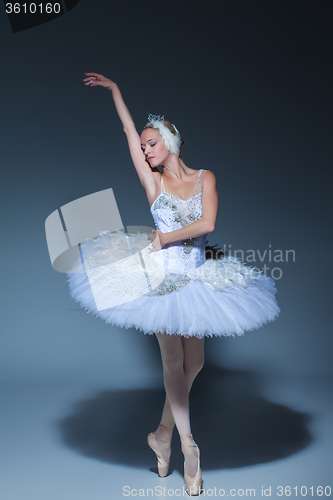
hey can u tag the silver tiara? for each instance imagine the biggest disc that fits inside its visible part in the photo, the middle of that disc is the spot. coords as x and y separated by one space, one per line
154 118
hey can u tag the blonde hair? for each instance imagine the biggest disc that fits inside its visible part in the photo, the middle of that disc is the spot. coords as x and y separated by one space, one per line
169 126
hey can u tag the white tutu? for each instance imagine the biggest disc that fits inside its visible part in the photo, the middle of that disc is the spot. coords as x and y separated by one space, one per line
174 290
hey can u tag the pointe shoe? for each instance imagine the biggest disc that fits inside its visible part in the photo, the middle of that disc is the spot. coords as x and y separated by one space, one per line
193 484
162 465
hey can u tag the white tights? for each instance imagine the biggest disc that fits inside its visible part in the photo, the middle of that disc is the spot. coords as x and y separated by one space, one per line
182 360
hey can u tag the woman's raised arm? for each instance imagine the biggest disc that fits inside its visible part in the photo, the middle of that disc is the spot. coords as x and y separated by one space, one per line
134 142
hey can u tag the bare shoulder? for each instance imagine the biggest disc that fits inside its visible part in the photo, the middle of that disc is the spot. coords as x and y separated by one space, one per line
208 186
208 178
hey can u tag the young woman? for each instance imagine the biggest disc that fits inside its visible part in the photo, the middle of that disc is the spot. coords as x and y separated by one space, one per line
197 297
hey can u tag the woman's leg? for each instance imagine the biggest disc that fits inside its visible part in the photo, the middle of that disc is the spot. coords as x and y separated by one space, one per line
182 359
194 359
172 354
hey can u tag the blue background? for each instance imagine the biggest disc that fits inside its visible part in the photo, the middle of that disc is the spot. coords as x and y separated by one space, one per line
249 86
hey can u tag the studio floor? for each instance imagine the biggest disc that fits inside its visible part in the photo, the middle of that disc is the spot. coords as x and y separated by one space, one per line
258 436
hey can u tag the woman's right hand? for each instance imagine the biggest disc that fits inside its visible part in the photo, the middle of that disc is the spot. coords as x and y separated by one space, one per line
95 79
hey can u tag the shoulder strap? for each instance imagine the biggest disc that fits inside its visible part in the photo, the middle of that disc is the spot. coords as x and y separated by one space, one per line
200 176
162 184
197 186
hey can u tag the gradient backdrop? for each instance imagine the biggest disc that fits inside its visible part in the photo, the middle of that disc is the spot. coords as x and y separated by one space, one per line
249 86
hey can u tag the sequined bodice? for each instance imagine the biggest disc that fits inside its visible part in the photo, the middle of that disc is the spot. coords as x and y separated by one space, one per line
171 213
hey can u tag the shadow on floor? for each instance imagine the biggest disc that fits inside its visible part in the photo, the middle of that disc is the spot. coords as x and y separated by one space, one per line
233 425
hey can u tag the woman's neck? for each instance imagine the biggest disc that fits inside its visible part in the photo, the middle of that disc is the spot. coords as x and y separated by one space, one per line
175 168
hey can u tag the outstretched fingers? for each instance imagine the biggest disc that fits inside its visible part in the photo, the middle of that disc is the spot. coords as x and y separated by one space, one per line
91 79
94 79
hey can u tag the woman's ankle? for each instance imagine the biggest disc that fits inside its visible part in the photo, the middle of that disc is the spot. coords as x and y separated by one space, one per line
163 433
165 428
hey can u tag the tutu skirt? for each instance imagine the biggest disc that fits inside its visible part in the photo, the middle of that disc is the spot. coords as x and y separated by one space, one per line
119 280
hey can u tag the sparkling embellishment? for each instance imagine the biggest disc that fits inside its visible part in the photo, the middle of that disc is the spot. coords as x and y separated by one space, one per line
189 244
176 214
154 118
173 283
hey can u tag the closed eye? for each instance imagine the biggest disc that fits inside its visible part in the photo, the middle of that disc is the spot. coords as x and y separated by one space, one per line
152 145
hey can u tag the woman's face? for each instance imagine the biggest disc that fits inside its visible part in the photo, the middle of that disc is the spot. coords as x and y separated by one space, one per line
153 147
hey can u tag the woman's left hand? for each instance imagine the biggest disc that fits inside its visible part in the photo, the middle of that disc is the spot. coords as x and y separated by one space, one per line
156 240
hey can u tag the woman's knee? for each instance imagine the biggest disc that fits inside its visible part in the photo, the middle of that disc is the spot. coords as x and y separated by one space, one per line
194 365
172 359
171 351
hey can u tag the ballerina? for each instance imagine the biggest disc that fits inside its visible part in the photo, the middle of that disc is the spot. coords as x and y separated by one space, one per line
198 297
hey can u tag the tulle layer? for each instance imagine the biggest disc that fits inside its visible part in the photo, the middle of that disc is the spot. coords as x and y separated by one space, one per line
222 297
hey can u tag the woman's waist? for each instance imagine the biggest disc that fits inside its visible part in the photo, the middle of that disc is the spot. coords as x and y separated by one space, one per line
183 255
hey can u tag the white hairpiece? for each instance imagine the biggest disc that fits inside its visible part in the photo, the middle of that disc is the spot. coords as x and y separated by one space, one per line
171 141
